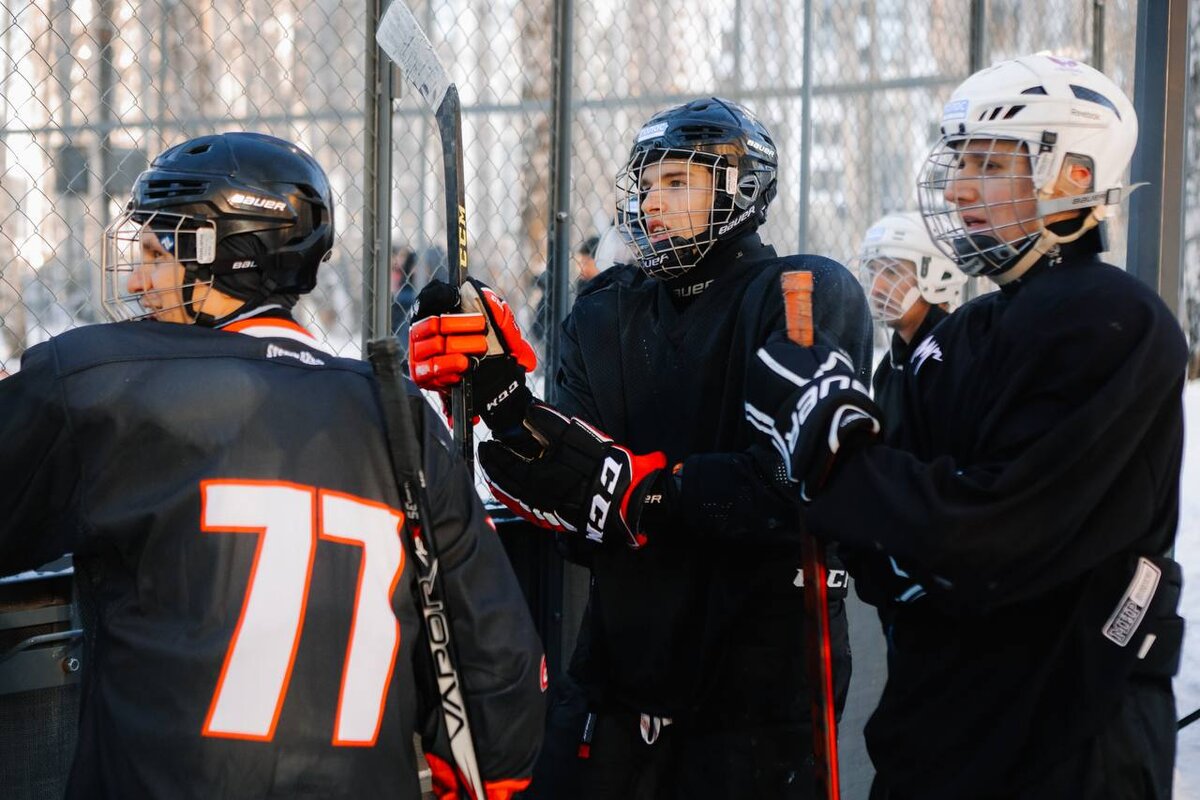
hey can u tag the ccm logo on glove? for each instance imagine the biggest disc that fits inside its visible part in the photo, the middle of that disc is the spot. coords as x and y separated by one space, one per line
602 500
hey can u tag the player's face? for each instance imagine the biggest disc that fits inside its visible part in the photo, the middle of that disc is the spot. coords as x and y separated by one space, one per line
586 266
677 198
891 288
992 190
157 280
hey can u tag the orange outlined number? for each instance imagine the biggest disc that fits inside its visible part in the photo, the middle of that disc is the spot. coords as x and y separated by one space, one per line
288 519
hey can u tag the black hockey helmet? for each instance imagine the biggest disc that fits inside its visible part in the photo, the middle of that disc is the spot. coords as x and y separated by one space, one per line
251 212
720 135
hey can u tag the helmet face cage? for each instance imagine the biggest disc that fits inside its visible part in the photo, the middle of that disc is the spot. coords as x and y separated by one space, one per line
190 240
979 203
889 283
671 228
667 214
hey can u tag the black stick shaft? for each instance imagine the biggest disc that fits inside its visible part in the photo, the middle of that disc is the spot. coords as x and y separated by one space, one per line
449 121
386 357
1189 719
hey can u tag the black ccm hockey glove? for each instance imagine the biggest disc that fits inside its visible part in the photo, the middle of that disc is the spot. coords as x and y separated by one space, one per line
809 404
581 481
470 330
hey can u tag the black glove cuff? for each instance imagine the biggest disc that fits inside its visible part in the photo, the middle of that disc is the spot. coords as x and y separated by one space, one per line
657 512
499 394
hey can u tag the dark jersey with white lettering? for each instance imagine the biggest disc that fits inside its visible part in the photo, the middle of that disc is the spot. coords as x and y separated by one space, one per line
689 628
1038 461
250 619
887 384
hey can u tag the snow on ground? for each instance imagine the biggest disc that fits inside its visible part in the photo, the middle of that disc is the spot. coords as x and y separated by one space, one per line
1187 552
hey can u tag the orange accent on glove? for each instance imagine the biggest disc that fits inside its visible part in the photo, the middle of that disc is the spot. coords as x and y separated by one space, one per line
446 784
510 332
438 348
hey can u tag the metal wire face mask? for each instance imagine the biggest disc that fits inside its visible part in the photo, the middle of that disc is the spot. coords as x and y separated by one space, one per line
978 201
890 285
189 241
672 207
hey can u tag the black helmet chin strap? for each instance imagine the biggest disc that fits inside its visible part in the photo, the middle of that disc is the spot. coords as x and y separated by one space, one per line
260 296
188 291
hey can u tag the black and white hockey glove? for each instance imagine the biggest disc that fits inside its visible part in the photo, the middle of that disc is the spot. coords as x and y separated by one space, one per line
581 481
809 404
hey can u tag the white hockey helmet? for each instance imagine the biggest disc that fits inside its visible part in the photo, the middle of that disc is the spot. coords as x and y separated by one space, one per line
898 263
1056 108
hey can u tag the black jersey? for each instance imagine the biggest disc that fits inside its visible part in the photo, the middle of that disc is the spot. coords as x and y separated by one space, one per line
887 384
684 623
250 622
1039 461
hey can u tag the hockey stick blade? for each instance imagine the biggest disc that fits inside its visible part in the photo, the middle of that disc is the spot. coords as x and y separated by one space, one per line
405 450
400 36
404 42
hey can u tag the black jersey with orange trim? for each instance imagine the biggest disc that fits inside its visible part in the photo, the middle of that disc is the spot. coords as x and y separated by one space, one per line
250 622
710 631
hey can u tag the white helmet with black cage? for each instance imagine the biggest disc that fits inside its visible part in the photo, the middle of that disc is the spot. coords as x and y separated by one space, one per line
1025 144
897 264
697 174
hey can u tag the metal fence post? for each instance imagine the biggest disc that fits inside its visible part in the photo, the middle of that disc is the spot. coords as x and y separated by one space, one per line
806 126
377 184
559 228
1155 247
979 44
558 268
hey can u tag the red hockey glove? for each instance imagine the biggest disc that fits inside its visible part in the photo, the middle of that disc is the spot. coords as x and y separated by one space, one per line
811 407
581 482
447 786
471 329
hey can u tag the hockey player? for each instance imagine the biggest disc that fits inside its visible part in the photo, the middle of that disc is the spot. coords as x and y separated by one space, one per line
225 486
691 656
911 286
1027 507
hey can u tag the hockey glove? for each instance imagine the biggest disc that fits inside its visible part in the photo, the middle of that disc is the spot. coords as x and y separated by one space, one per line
581 482
811 407
471 329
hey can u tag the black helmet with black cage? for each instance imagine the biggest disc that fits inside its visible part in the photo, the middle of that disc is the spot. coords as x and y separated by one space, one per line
698 173
248 214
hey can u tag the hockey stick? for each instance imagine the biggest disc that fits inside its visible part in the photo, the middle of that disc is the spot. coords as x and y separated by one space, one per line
1189 719
386 360
400 37
797 300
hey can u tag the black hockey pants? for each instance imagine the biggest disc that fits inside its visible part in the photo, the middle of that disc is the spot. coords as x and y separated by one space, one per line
604 755
1132 758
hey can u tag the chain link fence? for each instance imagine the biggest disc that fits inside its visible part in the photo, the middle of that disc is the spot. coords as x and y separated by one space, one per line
1190 305
91 90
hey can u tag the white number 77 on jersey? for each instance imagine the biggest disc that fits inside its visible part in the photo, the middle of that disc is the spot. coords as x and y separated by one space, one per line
288 519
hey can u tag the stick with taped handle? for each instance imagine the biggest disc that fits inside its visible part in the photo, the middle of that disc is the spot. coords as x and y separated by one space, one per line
798 311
